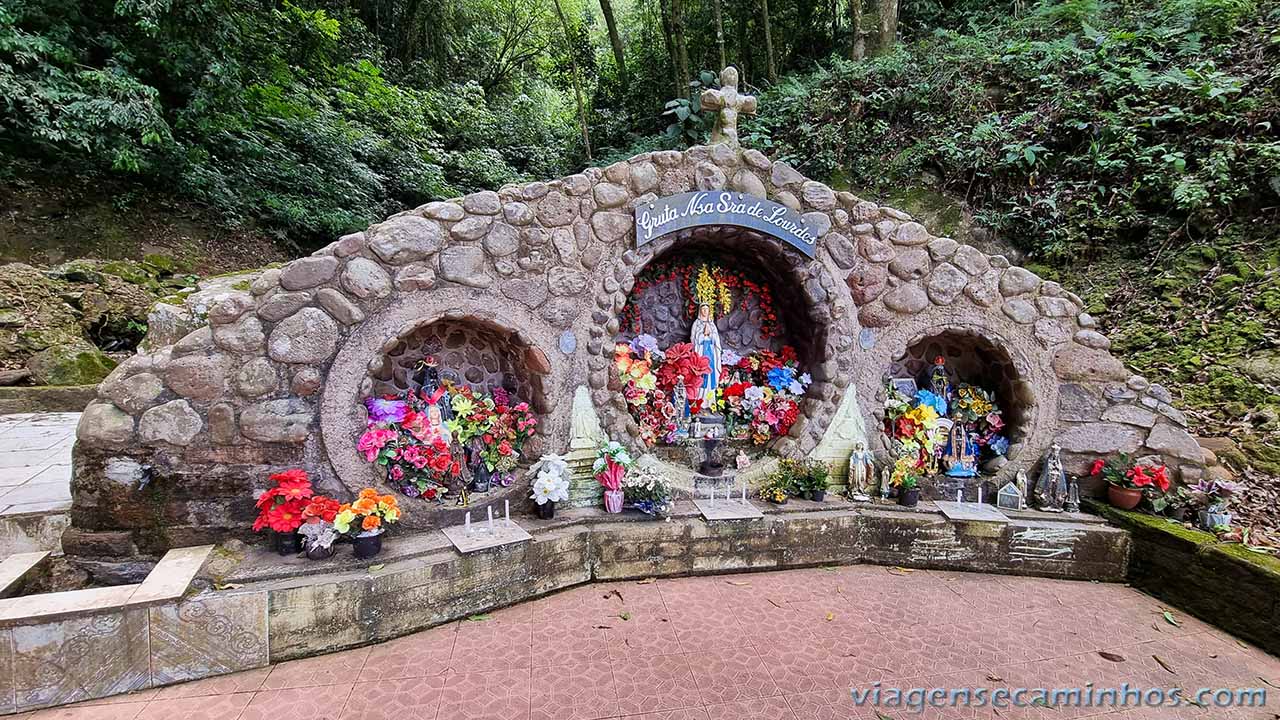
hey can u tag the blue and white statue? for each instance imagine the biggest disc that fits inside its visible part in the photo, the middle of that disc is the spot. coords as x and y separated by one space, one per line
960 456
706 342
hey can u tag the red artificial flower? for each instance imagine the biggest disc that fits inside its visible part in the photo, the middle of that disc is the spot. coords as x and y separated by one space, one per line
1139 476
439 462
286 517
429 493
1097 467
1161 478
291 476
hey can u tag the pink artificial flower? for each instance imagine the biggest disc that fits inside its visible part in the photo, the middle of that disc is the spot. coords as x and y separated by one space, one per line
372 442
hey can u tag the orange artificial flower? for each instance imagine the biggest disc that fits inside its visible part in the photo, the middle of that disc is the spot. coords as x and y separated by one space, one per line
364 505
371 522
368 493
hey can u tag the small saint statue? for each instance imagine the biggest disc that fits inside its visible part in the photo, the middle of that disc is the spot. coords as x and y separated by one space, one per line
427 377
680 401
1051 489
940 379
730 103
1072 504
1020 481
862 470
706 342
886 477
960 457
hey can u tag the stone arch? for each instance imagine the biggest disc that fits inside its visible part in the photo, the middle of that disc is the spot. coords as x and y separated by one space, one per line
349 380
199 421
813 286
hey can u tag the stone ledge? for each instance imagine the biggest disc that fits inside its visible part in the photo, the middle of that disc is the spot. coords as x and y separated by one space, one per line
45 398
15 569
1221 583
166 582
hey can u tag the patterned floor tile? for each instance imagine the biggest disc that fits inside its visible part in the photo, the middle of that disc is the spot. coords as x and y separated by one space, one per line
486 696
247 681
653 683
399 699
769 708
207 707
573 692
298 703
418 655
731 675
320 670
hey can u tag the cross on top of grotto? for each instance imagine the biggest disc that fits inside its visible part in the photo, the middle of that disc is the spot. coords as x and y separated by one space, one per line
729 102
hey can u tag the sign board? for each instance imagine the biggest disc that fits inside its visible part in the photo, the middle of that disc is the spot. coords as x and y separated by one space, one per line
721 207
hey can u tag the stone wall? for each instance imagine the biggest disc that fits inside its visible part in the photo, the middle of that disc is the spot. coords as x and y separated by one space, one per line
179 437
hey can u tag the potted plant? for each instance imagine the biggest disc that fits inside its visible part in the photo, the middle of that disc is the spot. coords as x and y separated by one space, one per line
365 521
646 490
1126 483
907 481
612 462
815 477
550 484
1213 497
777 487
317 531
280 509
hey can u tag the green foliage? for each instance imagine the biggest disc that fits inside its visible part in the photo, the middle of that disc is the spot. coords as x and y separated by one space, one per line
1081 127
688 123
282 115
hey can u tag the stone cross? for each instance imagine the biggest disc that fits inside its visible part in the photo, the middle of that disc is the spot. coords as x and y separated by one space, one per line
729 102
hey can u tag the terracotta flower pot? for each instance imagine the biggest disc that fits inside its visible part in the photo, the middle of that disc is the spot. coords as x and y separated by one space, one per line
1123 498
613 501
547 510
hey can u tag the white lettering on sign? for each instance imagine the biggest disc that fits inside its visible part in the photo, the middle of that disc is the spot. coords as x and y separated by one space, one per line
704 208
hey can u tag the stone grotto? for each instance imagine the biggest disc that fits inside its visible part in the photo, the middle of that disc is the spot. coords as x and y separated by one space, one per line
528 288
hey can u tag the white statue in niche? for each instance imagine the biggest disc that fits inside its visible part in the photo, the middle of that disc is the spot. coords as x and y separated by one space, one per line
862 470
706 342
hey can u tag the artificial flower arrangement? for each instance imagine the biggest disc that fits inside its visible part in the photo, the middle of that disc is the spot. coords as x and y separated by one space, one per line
1128 483
610 467
366 519
918 424
1213 499
422 461
759 393
550 484
776 487
647 490
317 531
299 519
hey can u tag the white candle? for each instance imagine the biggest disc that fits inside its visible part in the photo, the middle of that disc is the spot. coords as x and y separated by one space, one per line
506 510
744 492
979 494
490 509
959 496
467 523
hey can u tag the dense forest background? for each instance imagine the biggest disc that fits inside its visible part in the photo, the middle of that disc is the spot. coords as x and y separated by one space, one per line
1130 148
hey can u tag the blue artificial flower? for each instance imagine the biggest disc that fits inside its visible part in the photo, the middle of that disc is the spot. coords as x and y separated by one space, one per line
780 378
999 444
644 343
937 402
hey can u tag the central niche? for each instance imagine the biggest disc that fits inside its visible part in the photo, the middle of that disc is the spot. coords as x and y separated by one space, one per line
723 308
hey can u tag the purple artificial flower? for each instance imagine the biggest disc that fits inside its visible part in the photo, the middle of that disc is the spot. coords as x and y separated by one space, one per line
382 410
641 344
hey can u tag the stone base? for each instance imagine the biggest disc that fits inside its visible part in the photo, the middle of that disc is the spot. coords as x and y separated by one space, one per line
483 535
727 509
944 487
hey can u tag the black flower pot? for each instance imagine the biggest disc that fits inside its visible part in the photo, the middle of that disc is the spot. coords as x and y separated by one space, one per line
547 510
321 553
289 543
367 546
817 495
909 498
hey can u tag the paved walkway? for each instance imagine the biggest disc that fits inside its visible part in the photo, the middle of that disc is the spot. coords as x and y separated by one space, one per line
35 462
771 646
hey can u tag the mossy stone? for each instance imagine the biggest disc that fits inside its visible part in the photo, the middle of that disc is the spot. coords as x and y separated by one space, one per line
76 363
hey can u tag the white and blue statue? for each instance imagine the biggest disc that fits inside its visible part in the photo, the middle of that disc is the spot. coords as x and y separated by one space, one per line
960 456
706 342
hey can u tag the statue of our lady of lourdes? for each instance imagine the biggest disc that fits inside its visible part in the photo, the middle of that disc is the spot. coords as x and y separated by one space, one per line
706 342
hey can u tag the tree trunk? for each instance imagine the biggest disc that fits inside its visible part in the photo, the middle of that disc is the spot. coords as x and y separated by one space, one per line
770 69
577 80
682 47
715 8
858 39
667 36
888 25
615 40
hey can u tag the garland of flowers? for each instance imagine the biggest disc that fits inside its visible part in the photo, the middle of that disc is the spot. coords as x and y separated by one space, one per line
702 282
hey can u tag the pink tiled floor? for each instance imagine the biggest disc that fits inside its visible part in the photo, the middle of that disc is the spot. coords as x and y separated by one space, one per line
772 646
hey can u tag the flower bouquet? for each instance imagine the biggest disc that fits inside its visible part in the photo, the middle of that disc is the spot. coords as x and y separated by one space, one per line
365 520
611 465
280 508
417 459
1127 483
317 531
646 490
550 484
1213 497
906 477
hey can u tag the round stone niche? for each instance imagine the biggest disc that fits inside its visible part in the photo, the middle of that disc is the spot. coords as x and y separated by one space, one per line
659 305
974 359
468 352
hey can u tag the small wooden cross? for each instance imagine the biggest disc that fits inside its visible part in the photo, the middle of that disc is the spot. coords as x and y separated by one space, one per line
729 102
